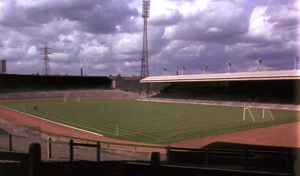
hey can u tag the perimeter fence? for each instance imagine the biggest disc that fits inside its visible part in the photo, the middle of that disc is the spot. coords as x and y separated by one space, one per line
241 159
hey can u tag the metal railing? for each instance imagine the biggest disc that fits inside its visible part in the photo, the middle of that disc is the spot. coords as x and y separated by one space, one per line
204 156
59 136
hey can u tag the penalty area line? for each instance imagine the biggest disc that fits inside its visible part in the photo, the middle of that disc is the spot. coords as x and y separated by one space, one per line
53 121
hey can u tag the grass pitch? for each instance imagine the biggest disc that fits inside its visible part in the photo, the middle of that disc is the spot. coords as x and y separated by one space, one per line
151 122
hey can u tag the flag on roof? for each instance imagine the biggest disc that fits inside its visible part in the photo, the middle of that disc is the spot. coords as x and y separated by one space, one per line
260 61
205 66
229 63
183 67
297 58
165 69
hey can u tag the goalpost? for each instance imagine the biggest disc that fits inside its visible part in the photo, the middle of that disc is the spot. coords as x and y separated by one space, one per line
264 109
263 113
78 99
244 114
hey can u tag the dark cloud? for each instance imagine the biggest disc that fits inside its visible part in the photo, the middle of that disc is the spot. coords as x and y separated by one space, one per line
95 16
214 24
104 19
105 36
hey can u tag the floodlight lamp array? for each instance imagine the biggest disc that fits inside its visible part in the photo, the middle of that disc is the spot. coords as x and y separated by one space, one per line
146 9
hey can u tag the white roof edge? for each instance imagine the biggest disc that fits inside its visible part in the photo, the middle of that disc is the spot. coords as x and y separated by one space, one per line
241 76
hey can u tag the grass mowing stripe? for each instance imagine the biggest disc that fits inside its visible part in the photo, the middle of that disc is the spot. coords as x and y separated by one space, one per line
91 121
74 123
88 123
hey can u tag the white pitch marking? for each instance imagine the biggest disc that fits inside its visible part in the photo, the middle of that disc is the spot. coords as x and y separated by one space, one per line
54 122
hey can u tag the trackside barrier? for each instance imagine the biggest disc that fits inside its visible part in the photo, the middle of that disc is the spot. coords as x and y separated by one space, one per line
155 168
95 141
71 143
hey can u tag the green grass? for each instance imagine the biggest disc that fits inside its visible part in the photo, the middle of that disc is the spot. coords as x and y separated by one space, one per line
151 122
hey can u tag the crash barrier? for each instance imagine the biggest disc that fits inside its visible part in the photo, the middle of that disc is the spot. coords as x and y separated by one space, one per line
155 168
32 159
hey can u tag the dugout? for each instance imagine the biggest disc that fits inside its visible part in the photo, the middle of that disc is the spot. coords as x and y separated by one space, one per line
282 87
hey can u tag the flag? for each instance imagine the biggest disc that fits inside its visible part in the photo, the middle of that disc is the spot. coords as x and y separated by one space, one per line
229 63
260 61
183 67
205 66
297 58
165 69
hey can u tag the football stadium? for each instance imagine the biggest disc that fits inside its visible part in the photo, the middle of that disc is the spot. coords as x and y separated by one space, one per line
206 120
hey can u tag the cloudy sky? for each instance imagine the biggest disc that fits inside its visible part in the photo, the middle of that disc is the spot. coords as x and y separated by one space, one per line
105 36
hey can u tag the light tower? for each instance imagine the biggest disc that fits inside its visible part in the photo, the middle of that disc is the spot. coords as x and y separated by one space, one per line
145 15
46 65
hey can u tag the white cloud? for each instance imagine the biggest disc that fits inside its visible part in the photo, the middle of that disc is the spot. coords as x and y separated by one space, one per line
260 27
92 54
170 32
127 43
193 8
99 66
214 29
191 50
132 64
59 57
32 51
26 3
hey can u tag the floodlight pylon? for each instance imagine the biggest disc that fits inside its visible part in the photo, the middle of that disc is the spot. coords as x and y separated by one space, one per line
144 60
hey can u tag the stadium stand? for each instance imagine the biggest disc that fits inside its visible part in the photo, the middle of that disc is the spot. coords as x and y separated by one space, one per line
97 93
17 83
280 87
283 92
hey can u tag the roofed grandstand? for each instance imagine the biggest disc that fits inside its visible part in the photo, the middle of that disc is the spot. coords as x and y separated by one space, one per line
265 87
